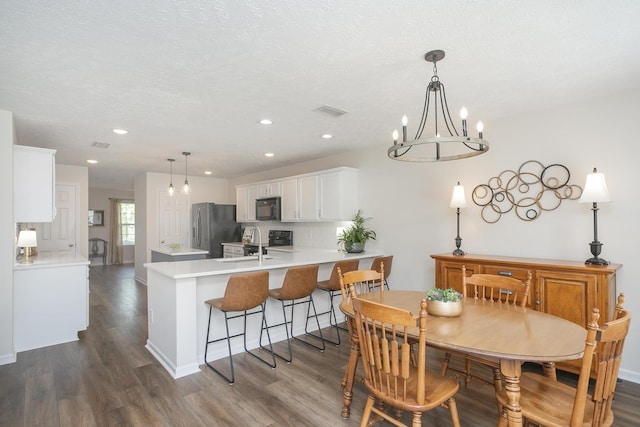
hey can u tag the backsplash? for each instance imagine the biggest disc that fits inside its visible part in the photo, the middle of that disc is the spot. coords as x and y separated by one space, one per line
314 235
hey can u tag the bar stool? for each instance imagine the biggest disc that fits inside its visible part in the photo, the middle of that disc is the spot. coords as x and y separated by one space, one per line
332 286
386 260
243 293
297 288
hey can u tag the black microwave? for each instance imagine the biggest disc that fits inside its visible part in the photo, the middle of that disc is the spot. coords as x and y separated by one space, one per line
268 209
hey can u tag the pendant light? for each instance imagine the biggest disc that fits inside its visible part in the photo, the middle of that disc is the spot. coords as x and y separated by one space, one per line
171 180
186 188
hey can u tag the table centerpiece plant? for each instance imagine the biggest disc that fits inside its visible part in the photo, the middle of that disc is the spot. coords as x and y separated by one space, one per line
444 302
357 234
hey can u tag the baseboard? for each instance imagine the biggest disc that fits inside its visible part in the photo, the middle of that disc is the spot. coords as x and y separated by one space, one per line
5 359
140 280
627 375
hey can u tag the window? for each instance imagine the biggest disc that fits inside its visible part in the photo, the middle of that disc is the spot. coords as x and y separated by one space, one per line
128 223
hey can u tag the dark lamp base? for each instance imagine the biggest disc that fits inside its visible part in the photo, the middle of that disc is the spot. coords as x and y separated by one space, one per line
596 261
458 252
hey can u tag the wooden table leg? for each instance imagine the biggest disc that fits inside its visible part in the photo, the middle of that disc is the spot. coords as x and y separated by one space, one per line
350 374
549 370
511 369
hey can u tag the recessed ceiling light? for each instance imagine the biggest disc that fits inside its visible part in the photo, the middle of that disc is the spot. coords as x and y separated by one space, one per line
327 136
208 172
269 154
265 122
92 161
120 131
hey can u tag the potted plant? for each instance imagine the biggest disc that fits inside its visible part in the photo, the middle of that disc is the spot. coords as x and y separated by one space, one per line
356 235
444 302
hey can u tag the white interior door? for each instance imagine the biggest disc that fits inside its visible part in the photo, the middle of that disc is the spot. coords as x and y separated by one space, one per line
60 235
173 220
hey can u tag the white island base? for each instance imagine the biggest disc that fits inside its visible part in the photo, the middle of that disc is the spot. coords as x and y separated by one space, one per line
178 315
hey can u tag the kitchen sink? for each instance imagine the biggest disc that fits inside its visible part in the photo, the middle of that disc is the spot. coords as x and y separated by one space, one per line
245 258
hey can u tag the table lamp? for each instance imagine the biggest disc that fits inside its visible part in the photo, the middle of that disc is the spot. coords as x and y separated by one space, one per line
458 201
27 239
595 190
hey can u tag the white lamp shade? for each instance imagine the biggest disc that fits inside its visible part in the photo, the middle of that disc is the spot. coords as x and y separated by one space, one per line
457 197
595 189
27 239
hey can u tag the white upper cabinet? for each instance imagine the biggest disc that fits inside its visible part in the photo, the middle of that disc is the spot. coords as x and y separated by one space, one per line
246 203
34 184
269 189
330 195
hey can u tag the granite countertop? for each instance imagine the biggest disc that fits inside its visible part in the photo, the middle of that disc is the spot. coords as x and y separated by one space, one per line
52 259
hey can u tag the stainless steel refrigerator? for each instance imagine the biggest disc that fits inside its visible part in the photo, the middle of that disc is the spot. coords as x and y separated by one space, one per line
212 225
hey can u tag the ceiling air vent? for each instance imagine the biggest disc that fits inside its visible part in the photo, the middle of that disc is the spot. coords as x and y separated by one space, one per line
332 111
100 144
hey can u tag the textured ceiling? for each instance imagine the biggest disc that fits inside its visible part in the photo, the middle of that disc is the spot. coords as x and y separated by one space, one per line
198 75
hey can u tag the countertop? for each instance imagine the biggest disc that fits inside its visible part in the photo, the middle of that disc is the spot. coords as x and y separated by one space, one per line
212 267
179 251
52 259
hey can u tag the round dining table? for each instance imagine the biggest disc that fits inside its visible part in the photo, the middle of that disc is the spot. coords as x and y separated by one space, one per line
506 332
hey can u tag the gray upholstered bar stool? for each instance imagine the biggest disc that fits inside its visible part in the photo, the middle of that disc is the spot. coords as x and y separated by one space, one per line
332 287
244 292
297 288
387 261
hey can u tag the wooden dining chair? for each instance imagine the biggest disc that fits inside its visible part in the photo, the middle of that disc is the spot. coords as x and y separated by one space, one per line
551 403
494 289
390 377
363 281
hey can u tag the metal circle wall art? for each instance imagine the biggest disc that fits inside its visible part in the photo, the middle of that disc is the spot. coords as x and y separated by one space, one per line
529 191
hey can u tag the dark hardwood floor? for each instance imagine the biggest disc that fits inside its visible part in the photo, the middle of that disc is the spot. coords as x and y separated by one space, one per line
108 378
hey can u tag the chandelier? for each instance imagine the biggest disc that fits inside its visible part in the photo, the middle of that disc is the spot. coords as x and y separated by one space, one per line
437 147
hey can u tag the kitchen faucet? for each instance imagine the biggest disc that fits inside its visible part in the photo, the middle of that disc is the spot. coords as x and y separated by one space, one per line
259 243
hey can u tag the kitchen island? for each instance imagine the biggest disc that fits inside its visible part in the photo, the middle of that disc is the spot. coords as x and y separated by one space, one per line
177 313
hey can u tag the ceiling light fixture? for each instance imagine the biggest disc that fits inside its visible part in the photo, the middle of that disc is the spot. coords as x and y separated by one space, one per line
450 147
93 162
208 172
269 154
120 131
327 136
185 188
171 179
265 122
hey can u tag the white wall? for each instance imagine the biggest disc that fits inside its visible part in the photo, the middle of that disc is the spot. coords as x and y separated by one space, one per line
409 202
99 200
148 186
7 240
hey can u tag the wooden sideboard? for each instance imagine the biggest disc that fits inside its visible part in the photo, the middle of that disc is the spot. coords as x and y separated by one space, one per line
567 289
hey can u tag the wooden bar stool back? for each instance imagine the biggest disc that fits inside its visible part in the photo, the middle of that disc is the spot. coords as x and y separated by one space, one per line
332 287
244 292
547 402
390 376
297 288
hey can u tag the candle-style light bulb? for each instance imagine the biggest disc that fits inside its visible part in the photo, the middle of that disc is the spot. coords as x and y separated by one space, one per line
404 128
480 128
395 137
463 116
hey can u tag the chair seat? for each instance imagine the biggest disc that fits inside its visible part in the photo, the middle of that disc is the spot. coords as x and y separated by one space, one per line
215 303
551 400
438 389
327 285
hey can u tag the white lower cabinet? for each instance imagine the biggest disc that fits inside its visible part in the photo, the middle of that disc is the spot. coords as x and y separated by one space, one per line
232 251
50 305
